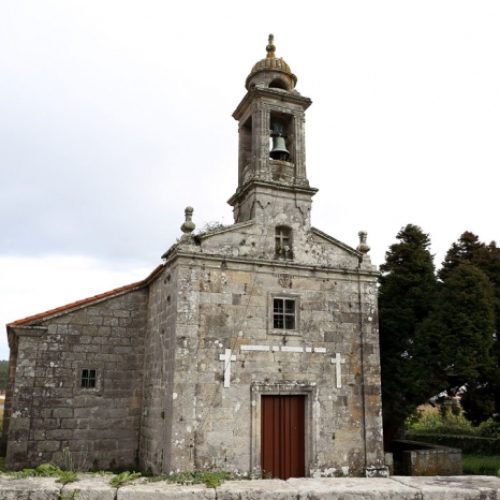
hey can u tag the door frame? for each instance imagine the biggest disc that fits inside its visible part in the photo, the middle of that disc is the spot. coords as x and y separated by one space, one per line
259 389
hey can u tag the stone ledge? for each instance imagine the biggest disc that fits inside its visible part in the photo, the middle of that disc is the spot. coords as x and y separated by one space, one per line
94 487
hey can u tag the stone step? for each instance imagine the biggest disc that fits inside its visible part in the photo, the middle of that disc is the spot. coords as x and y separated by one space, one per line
96 487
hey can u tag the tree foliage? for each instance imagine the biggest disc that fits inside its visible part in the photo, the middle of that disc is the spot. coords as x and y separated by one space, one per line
482 399
457 338
407 293
439 335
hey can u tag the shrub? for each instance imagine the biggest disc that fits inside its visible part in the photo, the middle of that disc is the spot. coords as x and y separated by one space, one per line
434 420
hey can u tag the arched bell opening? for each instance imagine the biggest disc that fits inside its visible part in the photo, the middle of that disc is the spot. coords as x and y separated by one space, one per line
281 137
279 83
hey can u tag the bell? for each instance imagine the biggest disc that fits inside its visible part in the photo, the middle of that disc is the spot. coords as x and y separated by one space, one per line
279 151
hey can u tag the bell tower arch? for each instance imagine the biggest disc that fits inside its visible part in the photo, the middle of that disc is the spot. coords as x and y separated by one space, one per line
271 153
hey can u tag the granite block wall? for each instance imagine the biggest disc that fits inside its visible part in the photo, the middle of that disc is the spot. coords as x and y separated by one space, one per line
155 436
227 305
54 419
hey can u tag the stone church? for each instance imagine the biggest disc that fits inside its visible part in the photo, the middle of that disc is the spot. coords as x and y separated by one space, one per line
251 348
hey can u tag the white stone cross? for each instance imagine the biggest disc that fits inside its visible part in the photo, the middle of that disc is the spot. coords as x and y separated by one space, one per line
338 360
227 358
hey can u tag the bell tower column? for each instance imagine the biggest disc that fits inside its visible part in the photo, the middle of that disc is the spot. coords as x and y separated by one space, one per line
300 134
261 138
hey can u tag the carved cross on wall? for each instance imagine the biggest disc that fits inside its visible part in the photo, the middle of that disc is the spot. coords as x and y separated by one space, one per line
227 358
337 360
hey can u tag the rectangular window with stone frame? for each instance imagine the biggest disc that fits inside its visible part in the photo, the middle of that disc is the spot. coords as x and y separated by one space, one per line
284 313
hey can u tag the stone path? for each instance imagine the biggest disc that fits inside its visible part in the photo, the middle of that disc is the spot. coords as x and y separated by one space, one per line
92 487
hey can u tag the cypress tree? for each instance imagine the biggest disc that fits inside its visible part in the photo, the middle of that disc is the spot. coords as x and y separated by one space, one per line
482 399
463 322
407 294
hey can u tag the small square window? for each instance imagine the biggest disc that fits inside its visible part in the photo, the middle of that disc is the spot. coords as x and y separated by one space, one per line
284 314
88 379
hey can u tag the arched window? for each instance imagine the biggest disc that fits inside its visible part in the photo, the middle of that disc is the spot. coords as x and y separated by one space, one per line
283 242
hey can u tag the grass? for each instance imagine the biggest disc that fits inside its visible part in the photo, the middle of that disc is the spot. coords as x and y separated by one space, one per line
481 464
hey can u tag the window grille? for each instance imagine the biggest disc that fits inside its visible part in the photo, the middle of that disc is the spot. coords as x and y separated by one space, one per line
88 379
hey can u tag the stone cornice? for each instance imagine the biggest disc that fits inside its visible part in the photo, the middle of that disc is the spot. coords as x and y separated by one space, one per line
290 267
278 95
243 190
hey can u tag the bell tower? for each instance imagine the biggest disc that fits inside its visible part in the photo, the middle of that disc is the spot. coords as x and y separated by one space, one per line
272 163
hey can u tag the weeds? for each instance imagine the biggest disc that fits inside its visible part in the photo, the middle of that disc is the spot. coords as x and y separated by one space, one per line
70 495
48 470
214 479
124 478
208 478
67 476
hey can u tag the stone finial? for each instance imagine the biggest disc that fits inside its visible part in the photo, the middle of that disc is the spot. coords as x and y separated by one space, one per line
363 247
271 48
188 225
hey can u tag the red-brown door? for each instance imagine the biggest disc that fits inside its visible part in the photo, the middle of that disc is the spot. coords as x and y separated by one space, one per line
282 434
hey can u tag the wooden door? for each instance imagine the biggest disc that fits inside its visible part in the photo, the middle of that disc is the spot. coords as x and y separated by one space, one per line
283 436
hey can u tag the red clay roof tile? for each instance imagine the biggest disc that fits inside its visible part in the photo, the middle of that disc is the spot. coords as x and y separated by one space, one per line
88 300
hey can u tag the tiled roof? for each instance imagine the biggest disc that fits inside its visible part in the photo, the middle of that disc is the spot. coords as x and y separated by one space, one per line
88 300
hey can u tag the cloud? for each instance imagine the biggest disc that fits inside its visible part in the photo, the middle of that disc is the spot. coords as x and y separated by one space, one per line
31 285
116 115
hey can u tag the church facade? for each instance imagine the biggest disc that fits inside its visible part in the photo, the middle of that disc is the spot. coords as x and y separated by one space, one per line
251 348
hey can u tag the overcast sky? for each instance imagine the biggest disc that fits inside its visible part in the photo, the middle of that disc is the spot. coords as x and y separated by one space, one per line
115 115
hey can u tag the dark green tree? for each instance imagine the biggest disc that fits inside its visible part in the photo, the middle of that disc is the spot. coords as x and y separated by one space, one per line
478 401
407 293
467 250
457 338
482 399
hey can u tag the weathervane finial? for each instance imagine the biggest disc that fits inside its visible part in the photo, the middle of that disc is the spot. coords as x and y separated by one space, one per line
271 48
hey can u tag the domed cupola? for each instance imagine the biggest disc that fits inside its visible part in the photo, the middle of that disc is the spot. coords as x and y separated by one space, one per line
271 72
